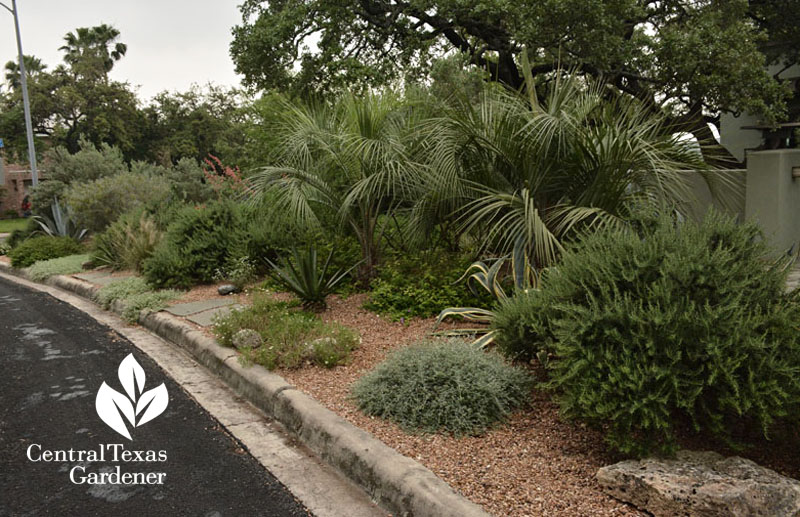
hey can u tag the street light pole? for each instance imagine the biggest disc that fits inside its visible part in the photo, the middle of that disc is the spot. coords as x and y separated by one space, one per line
25 102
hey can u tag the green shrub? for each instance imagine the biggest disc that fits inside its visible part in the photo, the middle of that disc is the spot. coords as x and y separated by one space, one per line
238 271
18 236
197 242
120 290
290 336
43 194
88 164
668 326
187 182
97 204
128 242
443 386
44 247
68 265
422 286
153 300
265 236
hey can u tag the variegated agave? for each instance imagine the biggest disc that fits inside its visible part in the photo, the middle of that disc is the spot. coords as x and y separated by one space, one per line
489 278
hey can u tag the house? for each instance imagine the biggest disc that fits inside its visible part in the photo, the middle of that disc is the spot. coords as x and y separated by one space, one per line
17 182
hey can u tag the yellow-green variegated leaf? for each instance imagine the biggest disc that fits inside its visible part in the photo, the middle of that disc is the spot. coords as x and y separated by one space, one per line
468 313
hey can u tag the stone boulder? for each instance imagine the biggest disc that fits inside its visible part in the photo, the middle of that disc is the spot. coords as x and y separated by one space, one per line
227 289
248 338
702 484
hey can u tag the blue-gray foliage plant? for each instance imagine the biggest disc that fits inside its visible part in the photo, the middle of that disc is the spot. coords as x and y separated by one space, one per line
61 224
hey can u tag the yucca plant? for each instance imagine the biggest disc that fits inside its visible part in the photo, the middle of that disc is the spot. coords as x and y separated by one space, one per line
61 224
302 276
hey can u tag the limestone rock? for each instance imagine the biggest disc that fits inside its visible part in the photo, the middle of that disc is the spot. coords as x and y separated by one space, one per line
247 338
227 289
702 484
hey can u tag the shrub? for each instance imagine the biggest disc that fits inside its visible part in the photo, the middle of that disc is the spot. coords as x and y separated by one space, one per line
265 235
88 164
68 265
99 203
120 289
152 300
18 236
42 248
291 337
128 242
187 182
238 271
443 386
668 326
421 287
196 243
42 196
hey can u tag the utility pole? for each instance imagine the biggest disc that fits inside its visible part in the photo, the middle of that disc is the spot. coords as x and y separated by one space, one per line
25 101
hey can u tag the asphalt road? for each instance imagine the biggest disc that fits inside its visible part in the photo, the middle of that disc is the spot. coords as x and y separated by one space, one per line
53 360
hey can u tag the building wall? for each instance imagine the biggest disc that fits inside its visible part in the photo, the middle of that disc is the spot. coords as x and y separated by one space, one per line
773 196
17 182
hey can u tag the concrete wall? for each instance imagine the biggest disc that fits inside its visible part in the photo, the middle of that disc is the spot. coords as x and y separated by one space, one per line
729 198
773 196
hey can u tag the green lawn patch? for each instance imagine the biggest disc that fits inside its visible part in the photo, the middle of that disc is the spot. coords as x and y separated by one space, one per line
9 225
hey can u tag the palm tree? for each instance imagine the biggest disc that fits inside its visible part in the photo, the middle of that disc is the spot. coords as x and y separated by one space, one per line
94 43
33 65
523 175
350 159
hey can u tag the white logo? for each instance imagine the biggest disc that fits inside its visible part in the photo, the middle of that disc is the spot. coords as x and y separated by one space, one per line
112 405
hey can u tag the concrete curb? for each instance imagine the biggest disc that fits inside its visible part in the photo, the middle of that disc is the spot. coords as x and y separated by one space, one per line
396 482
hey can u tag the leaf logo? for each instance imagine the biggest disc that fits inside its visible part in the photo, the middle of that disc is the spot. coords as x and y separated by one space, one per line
138 406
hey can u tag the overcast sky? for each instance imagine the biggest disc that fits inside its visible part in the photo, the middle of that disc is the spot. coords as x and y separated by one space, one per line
171 43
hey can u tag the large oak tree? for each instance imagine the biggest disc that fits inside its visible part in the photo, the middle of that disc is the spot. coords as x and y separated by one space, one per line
695 58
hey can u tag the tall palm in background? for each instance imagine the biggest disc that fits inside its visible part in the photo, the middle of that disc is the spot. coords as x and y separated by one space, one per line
523 175
351 159
33 66
87 44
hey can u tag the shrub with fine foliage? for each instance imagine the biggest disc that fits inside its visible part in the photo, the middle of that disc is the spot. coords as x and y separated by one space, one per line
68 265
669 325
197 242
97 204
120 290
42 248
443 386
128 242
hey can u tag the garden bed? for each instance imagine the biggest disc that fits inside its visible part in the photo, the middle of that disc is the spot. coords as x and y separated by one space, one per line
536 464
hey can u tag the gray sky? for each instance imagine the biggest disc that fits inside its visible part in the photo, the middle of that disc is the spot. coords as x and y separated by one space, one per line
171 43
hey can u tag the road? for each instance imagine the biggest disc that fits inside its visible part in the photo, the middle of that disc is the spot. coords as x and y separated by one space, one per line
53 361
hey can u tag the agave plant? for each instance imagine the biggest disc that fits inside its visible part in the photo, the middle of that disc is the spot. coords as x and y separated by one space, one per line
61 224
302 276
489 278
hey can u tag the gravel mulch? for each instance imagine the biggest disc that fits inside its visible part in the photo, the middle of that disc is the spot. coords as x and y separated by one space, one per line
535 465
